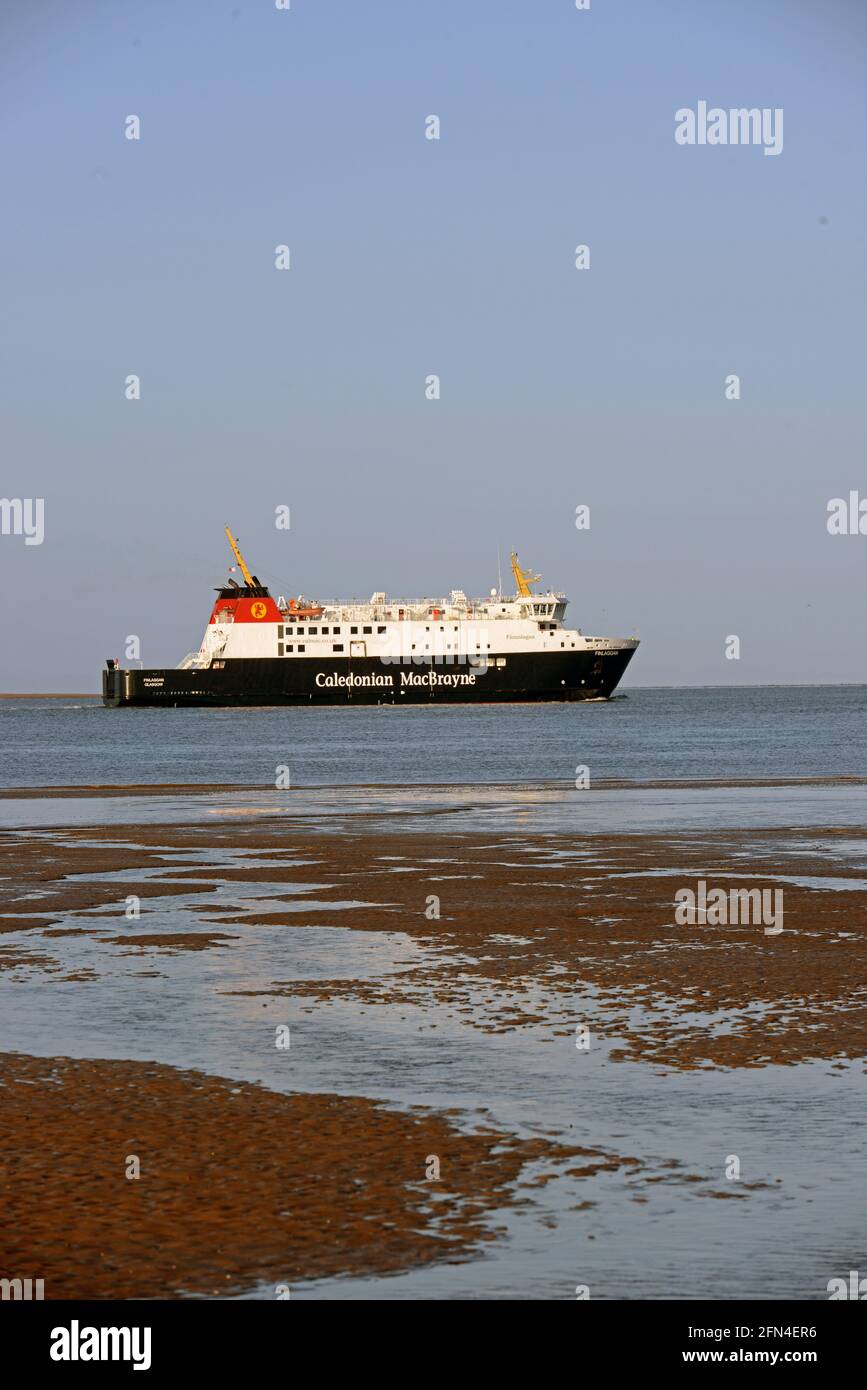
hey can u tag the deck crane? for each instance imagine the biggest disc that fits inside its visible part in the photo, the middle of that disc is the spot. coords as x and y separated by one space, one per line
523 578
249 579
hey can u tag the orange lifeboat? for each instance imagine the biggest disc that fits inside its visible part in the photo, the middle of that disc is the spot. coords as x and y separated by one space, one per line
304 610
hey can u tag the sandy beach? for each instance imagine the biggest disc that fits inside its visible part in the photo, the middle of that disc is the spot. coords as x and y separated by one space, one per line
521 922
501 934
234 1183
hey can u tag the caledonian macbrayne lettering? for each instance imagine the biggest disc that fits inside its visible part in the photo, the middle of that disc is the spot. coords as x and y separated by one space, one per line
406 678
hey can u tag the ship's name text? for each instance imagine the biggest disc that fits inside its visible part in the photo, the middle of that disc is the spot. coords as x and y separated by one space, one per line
406 678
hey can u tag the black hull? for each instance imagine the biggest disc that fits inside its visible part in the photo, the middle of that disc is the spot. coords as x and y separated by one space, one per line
360 681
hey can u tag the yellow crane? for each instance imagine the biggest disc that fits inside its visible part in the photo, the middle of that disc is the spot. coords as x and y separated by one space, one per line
248 578
523 578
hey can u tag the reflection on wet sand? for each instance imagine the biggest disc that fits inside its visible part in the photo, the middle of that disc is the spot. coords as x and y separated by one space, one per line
463 960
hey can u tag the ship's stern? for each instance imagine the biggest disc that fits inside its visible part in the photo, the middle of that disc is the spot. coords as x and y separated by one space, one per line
112 684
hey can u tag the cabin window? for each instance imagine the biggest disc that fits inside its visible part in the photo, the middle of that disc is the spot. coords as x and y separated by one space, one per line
367 629
380 629
312 631
300 631
279 632
354 631
336 631
338 647
279 648
301 647
325 632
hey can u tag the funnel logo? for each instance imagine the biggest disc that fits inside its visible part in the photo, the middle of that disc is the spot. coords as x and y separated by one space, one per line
258 611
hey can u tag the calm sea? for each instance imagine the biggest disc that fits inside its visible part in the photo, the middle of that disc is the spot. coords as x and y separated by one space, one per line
752 732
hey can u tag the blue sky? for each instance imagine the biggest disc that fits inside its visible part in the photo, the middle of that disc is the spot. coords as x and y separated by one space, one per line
455 257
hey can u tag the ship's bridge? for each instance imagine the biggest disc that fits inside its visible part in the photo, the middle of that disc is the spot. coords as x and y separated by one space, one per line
543 606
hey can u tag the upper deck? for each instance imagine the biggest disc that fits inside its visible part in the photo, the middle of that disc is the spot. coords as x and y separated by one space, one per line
549 607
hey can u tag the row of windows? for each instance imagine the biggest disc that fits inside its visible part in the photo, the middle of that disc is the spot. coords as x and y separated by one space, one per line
334 631
284 648
325 631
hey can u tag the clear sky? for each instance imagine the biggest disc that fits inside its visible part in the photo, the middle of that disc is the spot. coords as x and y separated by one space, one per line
409 257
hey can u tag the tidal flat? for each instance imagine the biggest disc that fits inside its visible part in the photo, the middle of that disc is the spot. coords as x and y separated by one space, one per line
447 1045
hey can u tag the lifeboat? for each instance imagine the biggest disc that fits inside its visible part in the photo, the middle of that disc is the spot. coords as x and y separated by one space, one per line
299 609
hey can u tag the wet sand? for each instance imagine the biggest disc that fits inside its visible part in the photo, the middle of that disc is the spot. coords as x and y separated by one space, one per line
511 933
100 790
236 1183
526 926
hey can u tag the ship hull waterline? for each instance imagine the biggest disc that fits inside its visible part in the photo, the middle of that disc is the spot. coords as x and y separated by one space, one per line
554 676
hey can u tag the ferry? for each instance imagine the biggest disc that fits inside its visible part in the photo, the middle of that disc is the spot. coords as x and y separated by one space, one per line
258 650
